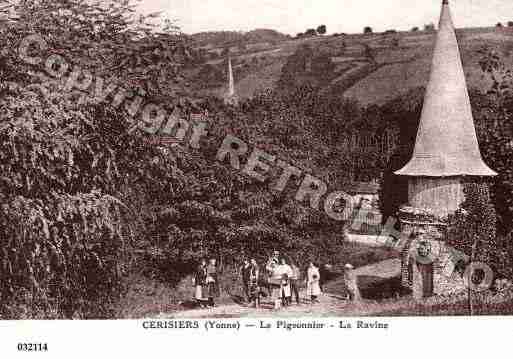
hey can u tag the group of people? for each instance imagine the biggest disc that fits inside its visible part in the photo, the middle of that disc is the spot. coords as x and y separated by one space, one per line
206 283
281 279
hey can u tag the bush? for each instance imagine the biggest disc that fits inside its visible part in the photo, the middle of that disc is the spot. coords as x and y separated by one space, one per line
321 29
472 230
310 32
504 254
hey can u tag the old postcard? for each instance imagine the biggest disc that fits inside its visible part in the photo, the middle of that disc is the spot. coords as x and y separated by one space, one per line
233 168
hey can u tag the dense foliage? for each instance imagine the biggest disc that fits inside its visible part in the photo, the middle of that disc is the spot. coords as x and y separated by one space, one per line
86 201
473 229
494 123
68 162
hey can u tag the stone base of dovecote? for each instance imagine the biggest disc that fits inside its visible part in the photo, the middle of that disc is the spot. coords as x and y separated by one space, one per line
427 263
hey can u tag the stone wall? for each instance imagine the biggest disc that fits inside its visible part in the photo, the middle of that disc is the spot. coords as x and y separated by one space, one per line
425 253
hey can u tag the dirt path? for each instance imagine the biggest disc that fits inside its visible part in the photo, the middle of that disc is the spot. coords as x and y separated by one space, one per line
329 304
369 240
389 268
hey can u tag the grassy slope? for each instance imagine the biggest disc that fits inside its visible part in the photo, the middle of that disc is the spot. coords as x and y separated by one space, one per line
397 69
394 80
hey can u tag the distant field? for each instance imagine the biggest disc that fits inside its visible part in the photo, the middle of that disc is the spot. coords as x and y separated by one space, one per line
400 61
394 80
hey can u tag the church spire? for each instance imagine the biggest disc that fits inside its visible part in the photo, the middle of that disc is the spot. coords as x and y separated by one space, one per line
230 96
446 143
231 85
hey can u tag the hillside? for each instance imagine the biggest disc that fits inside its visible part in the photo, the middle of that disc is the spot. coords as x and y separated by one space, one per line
371 68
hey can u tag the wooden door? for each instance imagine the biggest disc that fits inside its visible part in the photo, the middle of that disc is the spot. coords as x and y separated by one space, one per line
426 271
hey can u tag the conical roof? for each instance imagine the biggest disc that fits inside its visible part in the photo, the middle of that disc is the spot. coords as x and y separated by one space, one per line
446 142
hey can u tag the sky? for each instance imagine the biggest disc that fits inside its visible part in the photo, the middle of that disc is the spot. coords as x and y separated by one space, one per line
349 16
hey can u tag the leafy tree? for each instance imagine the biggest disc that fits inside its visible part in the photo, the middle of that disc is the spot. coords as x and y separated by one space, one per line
310 32
321 29
367 30
493 114
473 232
71 169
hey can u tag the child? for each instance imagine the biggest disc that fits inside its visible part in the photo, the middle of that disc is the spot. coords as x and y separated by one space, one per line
351 283
312 282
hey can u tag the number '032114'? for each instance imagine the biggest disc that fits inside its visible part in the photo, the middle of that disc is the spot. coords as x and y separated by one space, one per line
32 347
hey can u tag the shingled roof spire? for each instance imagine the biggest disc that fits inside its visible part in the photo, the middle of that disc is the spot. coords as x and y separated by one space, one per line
446 142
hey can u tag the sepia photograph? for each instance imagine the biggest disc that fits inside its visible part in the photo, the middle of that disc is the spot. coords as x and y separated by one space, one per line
174 161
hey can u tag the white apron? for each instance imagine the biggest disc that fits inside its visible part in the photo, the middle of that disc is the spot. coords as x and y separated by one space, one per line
198 292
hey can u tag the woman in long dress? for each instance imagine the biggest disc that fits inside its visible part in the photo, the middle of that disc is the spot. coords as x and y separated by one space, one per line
246 278
253 287
281 292
271 282
212 282
199 282
287 273
313 277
